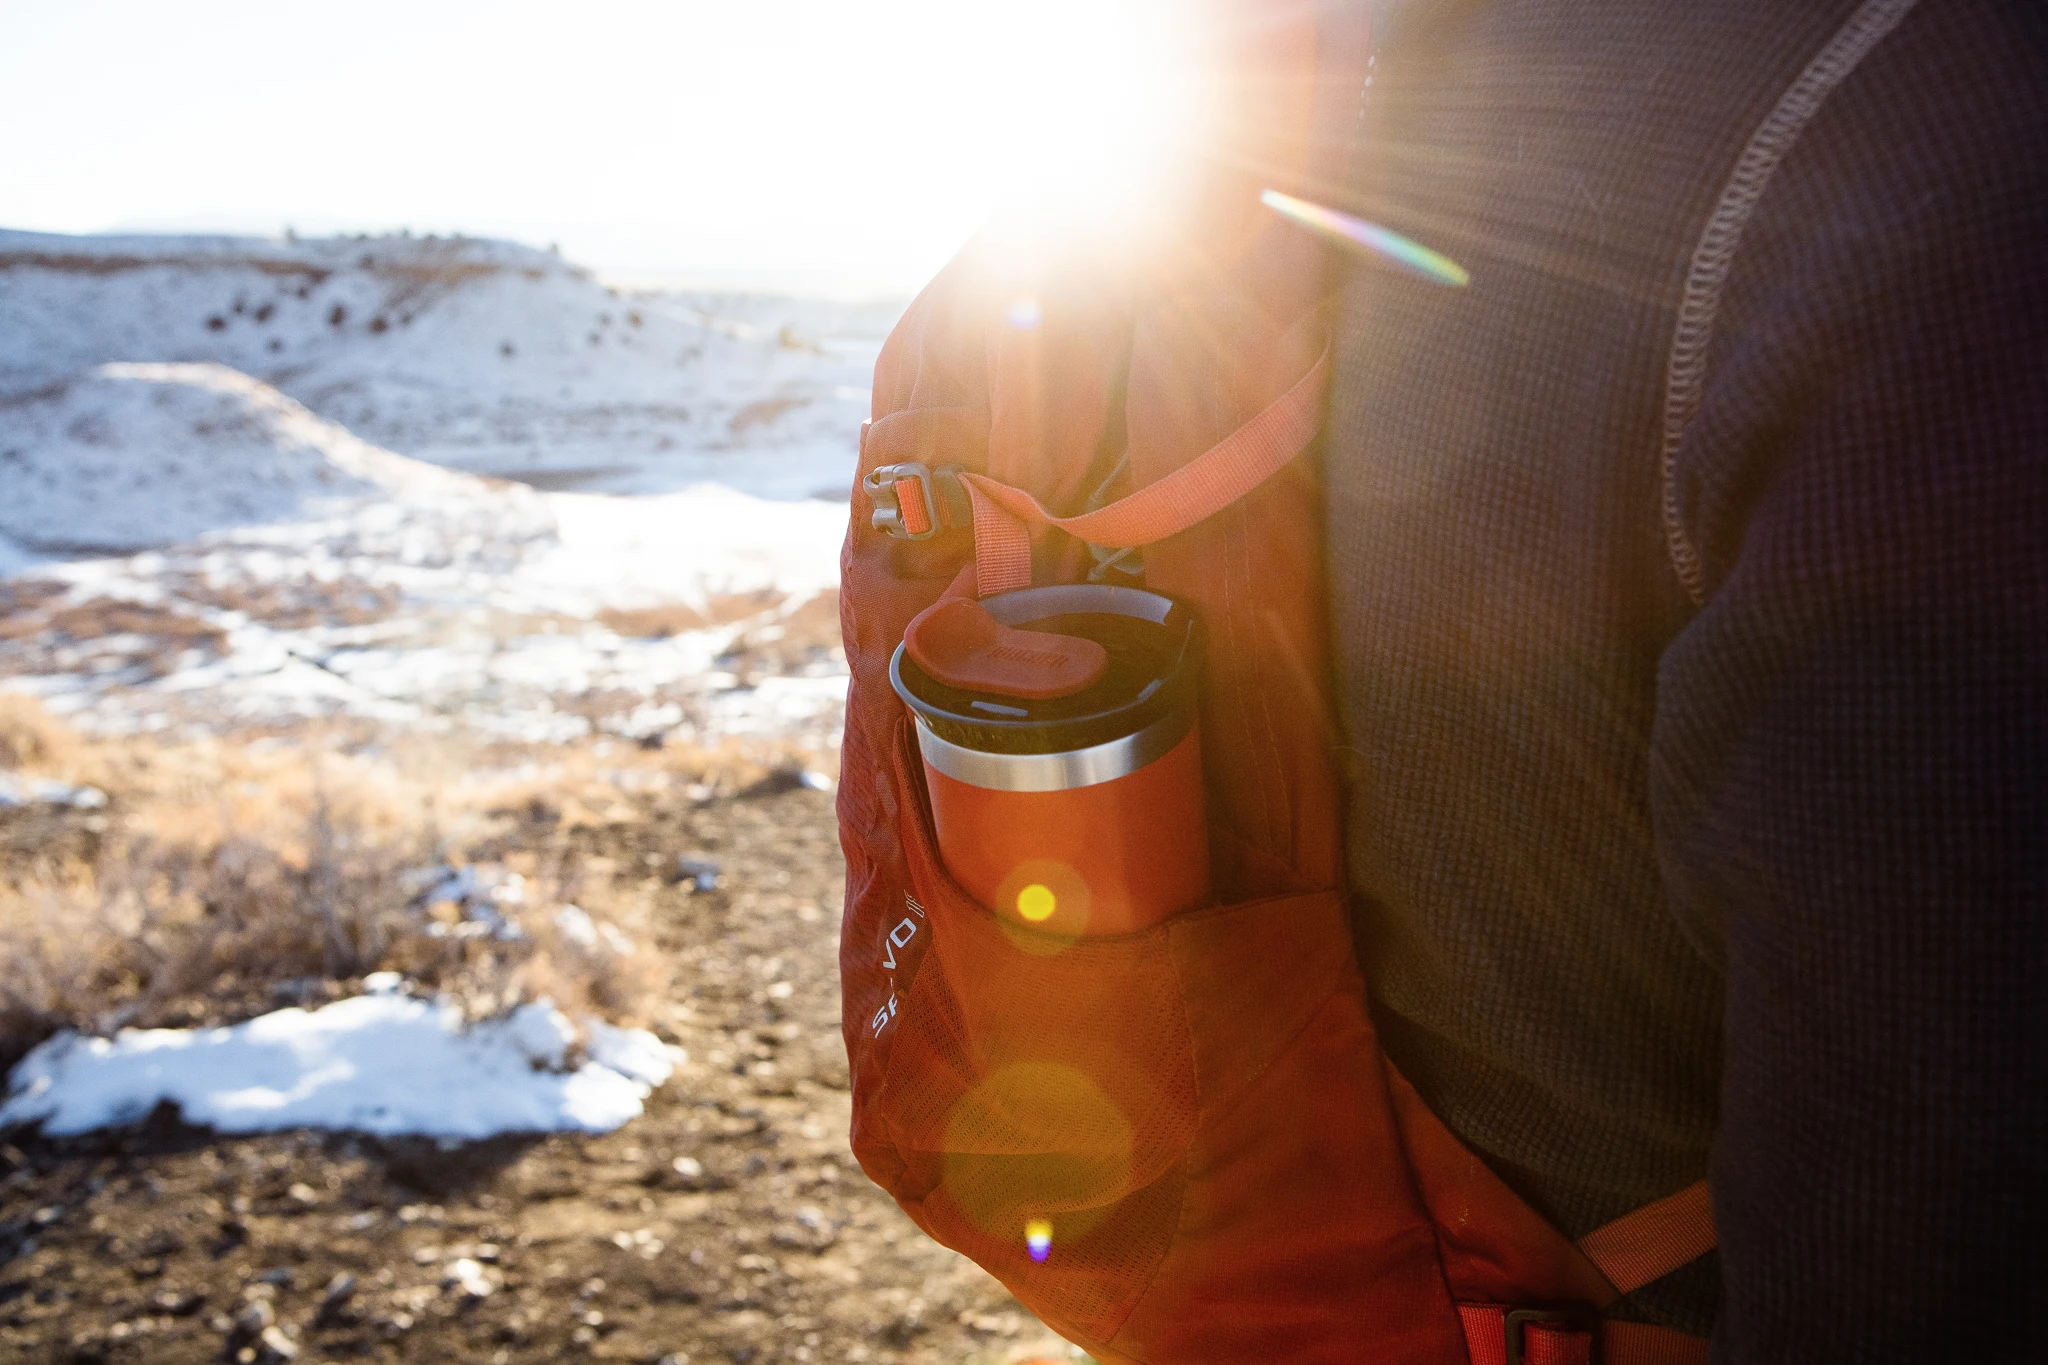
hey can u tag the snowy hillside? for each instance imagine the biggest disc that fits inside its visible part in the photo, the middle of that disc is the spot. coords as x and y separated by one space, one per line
481 355
277 445
133 456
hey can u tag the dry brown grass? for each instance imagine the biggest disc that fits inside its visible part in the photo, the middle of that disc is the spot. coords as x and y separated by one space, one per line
290 604
35 741
794 639
99 617
20 596
673 618
33 616
226 879
766 411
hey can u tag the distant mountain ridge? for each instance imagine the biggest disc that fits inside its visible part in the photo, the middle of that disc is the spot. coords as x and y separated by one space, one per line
106 253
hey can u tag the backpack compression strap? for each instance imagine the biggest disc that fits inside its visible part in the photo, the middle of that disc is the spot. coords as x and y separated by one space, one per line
1655 1240
1631 1251
907 504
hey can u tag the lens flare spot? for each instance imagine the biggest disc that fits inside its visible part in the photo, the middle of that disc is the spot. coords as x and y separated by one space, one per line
1038 1239
1035 1136
1025 314
1042 906
1384 242
1036 902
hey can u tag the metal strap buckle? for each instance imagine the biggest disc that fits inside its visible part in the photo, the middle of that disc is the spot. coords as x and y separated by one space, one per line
945 499
1580 1317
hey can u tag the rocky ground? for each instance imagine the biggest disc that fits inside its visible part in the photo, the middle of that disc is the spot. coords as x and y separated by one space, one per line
730 1223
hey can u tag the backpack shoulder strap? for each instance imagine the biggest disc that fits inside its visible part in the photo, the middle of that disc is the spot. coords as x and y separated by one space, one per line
1199 489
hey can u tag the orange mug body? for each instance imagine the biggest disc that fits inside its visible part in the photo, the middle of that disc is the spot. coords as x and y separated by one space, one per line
1080 812
1106 858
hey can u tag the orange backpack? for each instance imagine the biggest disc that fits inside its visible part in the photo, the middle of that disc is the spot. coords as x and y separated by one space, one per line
1181 1144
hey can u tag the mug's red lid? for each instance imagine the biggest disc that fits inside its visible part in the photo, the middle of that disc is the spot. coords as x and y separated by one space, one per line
1046 670
957 642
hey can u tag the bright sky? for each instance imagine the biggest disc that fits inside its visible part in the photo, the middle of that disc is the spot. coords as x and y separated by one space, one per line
853 143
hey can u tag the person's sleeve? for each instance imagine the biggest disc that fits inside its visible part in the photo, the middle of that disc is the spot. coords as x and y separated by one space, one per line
1850 762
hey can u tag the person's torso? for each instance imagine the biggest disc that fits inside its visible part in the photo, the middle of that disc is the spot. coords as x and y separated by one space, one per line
1500 578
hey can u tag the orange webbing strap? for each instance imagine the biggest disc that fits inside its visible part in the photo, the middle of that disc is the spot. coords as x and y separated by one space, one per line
1199 489
1002 547
1631 1251
1655 1240
1551 1343
917 518
1639 1343
1542 1343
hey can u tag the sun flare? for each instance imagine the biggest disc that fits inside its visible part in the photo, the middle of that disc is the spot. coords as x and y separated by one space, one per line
1090 109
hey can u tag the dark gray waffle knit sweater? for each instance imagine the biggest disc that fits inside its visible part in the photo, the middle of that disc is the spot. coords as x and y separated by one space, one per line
1716 839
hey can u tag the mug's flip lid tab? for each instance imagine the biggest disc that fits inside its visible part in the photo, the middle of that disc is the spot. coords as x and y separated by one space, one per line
959 644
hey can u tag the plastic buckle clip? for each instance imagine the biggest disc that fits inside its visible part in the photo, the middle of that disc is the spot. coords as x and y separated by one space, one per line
1579 1317
945 500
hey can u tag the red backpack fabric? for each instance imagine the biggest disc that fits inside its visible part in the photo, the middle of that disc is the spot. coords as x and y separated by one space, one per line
1181 1144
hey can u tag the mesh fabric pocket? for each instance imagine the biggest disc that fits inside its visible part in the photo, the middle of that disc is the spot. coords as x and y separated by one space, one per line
1171 1145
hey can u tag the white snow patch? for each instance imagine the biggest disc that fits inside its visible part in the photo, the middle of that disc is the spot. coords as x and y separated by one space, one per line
577 926
385 1064
592 935
687 546
543 1033
632 1052
17 790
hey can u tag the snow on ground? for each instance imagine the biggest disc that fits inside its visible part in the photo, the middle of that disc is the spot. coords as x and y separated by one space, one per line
486 612
266 562
703 543
383 1063
481 355
17 790
131 456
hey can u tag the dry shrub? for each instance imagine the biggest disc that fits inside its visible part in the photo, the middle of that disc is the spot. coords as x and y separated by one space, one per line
614 973
198 899
228 879
33 740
